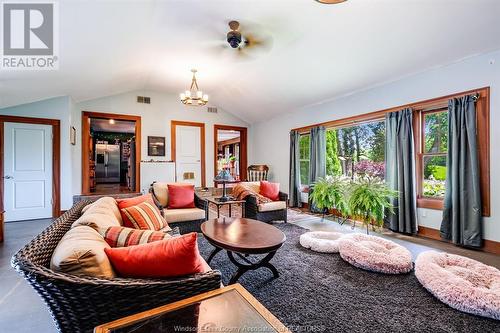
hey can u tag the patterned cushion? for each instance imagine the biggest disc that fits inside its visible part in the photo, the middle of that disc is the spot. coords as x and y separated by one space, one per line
121 236
145 216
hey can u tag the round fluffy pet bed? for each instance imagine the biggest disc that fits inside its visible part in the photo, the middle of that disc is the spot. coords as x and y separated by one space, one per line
462 283
321 241
375 254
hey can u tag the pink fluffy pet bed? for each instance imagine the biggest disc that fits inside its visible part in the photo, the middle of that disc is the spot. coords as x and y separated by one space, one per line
321 241
375 254
462 283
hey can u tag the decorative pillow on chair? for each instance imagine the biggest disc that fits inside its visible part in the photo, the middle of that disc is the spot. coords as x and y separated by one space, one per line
180 196
167 258
122 237
144 216
270 190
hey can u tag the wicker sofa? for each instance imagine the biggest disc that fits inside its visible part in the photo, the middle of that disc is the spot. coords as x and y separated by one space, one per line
186 219
274 211
78 303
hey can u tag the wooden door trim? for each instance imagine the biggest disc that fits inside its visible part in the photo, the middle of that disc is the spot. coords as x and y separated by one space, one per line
173 141
86 115
56 161
243 147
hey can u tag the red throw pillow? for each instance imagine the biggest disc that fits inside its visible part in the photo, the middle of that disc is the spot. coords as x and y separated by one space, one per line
167 258
270 190
180 196
129 202
144 216
120 236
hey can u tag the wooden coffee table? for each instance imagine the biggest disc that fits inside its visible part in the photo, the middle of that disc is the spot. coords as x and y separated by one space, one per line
242 237
207 312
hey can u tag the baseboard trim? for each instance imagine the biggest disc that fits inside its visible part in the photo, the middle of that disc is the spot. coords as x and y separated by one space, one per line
488 245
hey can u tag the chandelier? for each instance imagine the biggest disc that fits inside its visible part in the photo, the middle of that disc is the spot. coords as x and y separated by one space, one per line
194 96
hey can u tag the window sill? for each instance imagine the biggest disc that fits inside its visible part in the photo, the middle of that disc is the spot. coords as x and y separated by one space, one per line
430 203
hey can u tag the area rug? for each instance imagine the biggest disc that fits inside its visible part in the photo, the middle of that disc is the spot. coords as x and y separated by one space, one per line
320 292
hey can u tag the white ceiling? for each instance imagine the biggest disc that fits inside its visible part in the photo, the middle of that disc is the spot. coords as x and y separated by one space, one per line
319 51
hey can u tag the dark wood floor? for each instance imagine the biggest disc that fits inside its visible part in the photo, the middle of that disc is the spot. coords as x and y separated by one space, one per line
111 188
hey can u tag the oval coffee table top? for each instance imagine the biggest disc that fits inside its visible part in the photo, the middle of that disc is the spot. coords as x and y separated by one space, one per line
243 235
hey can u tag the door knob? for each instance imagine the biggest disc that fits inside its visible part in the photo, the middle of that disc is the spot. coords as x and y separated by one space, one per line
8 177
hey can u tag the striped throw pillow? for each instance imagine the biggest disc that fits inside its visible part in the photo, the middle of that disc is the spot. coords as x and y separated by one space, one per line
121 236
144 216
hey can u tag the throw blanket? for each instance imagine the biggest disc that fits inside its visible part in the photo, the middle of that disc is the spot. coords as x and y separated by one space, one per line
243 190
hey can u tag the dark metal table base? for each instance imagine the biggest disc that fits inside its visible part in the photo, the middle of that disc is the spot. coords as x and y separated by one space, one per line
248 265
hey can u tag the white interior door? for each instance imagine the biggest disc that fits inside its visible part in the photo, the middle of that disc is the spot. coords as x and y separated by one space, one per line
27 171
188 154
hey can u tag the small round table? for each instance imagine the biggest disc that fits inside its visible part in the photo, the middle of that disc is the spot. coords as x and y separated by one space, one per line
242 237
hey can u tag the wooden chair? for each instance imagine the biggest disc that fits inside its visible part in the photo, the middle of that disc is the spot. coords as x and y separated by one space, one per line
257 173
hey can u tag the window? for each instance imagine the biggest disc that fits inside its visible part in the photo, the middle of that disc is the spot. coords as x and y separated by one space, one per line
304 158
433 156
431 143
357 150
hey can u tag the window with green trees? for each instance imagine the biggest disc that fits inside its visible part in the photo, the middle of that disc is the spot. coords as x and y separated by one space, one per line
304 158
434 152
356 150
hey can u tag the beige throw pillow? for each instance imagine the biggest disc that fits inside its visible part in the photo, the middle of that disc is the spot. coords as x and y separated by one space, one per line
81 252
96 220
160 190
105 205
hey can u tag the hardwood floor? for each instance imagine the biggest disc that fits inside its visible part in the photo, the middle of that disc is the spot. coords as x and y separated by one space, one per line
111 189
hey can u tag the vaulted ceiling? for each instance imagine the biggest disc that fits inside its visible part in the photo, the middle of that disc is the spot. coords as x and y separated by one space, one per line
318 51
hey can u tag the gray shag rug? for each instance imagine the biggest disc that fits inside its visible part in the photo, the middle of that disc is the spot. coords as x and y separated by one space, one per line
318 292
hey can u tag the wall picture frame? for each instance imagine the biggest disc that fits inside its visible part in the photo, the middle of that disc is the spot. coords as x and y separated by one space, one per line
72 135
156 146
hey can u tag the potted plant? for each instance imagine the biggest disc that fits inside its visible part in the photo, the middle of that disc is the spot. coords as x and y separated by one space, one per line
232 160
370 200
330 193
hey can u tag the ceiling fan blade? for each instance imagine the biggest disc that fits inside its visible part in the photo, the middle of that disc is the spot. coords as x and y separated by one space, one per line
263 43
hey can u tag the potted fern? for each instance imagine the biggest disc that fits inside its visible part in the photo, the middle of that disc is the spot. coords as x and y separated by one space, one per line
370 200
330 193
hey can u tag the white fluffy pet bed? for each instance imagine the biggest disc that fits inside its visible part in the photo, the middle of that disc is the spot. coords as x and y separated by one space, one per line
462 283
375 254
321 241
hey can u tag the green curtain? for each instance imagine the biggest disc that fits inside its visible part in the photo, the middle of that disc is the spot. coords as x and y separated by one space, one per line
462 215
294 181
400 170
317 160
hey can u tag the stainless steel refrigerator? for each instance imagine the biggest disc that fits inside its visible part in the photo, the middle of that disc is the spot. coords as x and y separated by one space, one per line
107 163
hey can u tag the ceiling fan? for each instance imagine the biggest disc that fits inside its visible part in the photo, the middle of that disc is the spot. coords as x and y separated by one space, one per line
245 42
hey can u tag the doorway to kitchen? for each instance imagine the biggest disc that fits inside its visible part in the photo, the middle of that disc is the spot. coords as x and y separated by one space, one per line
111 151
230 152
